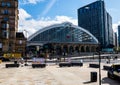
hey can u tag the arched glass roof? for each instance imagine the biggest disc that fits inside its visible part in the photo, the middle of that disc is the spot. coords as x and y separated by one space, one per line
63 33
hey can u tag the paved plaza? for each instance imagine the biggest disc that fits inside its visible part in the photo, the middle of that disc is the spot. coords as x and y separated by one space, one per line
52 74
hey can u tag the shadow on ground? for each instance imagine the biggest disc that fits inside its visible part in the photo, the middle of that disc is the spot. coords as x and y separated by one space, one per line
109 81
87 82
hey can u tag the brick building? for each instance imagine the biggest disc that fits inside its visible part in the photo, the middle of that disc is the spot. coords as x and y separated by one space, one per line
9 28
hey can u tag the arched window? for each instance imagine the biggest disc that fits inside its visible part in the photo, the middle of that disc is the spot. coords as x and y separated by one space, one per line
93 49
77 49
87 49
71 50
82 49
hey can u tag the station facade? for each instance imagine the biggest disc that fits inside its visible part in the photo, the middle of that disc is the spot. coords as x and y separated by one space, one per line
62 39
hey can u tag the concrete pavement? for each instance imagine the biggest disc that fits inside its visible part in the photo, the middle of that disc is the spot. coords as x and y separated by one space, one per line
52 75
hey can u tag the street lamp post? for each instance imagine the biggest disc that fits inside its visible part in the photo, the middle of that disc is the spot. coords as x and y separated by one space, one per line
101 22
26 47
99 49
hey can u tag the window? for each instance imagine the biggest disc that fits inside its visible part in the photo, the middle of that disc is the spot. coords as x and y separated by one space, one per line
8 4
3 4
0 45
81 11
20 49
20 42
5 34
6 19
5 26
5 12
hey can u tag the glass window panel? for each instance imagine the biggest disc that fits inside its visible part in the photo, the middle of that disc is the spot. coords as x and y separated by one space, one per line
3 4
64 34
6 19
8 4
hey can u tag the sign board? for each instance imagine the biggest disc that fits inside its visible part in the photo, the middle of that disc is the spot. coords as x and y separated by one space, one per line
0 45
38 60
12 55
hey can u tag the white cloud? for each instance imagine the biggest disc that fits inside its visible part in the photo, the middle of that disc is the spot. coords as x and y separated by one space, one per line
115 26
23 14
26 22
30 1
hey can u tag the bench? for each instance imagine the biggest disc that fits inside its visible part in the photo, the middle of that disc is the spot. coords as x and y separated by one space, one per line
94 65
76 64
12 65
64 64
38 65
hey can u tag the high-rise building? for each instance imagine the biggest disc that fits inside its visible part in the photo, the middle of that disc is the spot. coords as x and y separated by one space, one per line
110 30
97 20
8 25
119 35
116 41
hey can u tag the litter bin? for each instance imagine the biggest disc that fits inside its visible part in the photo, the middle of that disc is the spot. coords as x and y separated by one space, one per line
15 62
93 76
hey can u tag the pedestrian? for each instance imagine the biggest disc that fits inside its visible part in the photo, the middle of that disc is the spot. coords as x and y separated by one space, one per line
69 60
107 61
116 57
81 61
22 62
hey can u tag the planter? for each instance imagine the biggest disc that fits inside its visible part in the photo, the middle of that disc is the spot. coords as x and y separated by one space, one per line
94 65
64 64
38 65
12 65
76 64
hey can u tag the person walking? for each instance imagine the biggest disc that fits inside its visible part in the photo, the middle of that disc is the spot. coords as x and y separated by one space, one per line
22 62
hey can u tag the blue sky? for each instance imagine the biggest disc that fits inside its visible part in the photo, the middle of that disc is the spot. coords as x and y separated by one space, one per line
36 14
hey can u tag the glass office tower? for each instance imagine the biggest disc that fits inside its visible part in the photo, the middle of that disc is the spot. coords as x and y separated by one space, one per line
94 18
119 35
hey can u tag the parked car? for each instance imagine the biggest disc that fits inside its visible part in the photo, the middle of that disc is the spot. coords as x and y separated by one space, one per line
114 71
